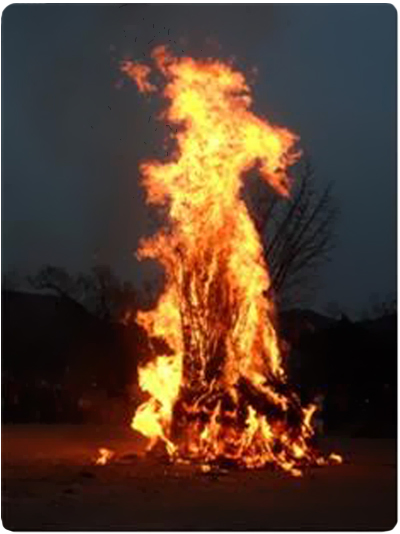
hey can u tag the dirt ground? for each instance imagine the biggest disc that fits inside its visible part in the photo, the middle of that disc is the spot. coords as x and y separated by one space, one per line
49 482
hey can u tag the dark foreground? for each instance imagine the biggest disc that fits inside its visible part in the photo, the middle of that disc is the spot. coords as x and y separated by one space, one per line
50 483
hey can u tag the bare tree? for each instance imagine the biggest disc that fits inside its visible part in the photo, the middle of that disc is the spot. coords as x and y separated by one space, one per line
105 295
380 307
298 234
100 291
55 279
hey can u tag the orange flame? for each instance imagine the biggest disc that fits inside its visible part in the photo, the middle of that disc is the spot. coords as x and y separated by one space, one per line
222 393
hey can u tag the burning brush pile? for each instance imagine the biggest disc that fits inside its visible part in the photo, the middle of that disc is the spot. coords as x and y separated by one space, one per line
219 396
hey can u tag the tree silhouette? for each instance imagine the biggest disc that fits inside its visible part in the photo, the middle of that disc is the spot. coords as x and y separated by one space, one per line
100 291
298 234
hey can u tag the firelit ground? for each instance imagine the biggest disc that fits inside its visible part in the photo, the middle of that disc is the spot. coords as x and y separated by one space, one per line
50 483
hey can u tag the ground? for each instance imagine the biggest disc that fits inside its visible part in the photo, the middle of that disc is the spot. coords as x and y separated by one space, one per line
50 483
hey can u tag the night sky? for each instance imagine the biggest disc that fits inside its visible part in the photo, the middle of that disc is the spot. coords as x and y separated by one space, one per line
69 162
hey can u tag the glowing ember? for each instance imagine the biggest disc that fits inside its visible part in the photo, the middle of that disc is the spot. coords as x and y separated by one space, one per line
104 456
220 394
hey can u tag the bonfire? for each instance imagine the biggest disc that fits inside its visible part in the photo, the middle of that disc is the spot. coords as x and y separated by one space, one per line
219 395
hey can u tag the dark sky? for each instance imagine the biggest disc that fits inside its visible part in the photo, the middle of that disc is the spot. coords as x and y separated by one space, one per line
69 163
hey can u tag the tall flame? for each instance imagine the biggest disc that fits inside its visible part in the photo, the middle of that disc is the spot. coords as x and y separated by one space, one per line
220 393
